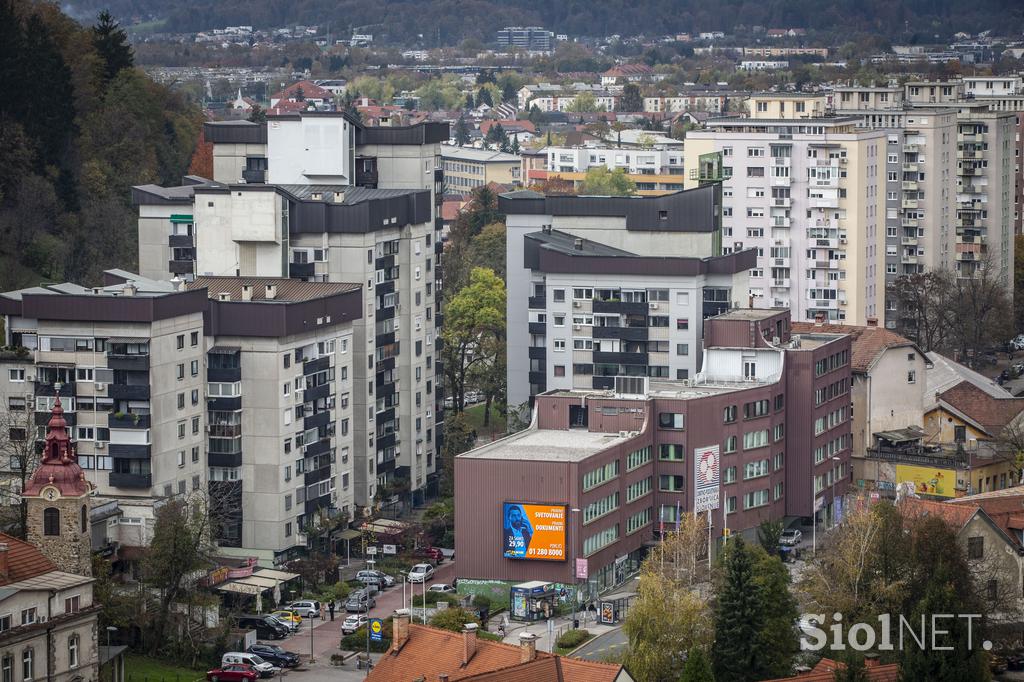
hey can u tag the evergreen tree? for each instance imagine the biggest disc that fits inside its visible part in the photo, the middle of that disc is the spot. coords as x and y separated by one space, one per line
49 120
932 663
777 637
768 534
852 670
111 44
514 147
536 116
461 132
508 93
697 667
258 114
630 99
484 97
470 104
736 653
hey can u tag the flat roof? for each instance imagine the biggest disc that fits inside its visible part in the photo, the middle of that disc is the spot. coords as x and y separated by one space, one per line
749 314
548 445
287 290
476 155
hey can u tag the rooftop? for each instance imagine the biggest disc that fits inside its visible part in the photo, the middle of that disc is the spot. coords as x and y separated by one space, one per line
287 290
564 242
476 155
869 343
351 195
990 412
548 445
24 561
749 314
944 374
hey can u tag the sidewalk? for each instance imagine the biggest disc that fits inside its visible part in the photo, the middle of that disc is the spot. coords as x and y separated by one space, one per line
539 629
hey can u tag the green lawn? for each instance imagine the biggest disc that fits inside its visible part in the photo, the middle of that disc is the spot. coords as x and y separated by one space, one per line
143 669
562 651
475 419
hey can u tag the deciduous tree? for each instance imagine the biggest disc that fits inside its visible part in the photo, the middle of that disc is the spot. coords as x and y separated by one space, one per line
630 99
604 182
474 317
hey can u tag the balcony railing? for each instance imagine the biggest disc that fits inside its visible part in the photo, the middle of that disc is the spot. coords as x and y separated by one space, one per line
128 421
119 480
918 455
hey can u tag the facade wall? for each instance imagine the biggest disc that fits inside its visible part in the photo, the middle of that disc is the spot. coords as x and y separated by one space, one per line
229 160
16 641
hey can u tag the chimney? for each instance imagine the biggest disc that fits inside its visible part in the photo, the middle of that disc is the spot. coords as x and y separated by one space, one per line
129 289
246 292
578 244
4 567
400 628
223 296
468 642
527 647
442 677
271 292
178 283
872 321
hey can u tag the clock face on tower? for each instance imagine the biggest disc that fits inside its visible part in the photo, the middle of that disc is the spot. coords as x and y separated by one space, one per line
50 493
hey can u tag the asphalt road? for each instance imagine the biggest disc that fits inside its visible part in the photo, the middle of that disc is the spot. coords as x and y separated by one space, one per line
611 643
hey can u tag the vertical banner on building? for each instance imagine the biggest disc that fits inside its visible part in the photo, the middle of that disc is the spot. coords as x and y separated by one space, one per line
706 478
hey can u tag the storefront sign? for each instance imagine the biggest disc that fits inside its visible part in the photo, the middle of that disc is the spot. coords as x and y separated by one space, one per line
533 531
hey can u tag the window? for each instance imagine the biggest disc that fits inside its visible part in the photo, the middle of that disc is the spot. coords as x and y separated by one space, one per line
671 420
72 604
558 295
559 370
758 408
638 489
730 444
755 439
976 547
600 540
755 469
757 498
682 323
559 320
672 452
599 508
51 521
682 349
28 616
195 338
638 458
180 341
594 478
181 371
912 376
559 344
16 374
181 401
28 668
195 368
7 664
73 651
729 414
195 454
195 424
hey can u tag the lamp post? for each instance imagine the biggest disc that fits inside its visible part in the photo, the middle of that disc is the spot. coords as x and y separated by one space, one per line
835 458
113 665
572 544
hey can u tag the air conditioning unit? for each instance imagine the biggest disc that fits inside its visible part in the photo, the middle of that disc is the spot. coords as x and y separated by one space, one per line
843 161
842 240
577 304
101 445
101 387
623 434
577 327
30 377
652 306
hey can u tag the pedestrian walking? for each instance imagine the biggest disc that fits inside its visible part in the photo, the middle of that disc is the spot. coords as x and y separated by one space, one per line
323 612
331 609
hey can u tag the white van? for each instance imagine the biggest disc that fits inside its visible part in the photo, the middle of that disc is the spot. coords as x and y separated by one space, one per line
265 669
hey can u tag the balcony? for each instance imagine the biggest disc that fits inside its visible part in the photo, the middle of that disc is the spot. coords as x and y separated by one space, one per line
536 303
128 391
317 365
224 459
910 185
969 188
229 404
601 358
909 222
316 420
118 480
301 269
824 304
317 392
537 352
43 418
781 221
366 178
968 154
257 177
621 307
624 333
911 148
131 363
225 430
126 420
180 241
539 378
780 262
537 328
911 167
781 283
824 243
908 260
781 182
181 267
785 202
968 137
909 204
224 374
909 241
45 388
320 447
129 450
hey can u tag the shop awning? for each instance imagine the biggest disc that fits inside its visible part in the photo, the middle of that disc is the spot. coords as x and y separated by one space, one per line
278 576
238 588
261 583
347 534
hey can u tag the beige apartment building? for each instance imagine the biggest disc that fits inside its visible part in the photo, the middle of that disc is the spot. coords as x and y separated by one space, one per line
810 196
466 168
774 105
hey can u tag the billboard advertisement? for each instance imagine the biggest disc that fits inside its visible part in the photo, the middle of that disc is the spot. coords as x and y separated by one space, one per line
705 478
533 531
927 480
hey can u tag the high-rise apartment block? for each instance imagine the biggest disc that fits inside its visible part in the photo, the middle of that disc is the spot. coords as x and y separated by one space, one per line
530 38
809 194
600 287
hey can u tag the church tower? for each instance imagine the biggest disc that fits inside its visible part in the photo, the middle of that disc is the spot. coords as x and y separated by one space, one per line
57 497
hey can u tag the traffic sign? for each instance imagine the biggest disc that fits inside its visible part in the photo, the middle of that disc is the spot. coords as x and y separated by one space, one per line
376 629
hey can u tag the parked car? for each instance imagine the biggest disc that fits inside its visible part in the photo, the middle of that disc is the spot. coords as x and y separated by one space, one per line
290 625
237 672
275 654
306 609
420 573
375 578
353 623
997 664
360 601
265 627
264 668
288 616
791 537
1017 343
433 554
444 588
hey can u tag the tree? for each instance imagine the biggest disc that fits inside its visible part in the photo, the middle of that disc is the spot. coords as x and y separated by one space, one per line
851 667
470 103
981 309
768 534
508 92
487 249
738 652
461 132
513 148
778 638
697 668
536 116
18 452
483 96
202 159
496 135
922 308
257 115
454 619
473 317
458 438
630 99
669 617
111 43
1018 281
584 102
604 182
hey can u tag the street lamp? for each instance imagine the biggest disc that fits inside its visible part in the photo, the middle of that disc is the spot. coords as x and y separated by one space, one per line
113 666
835 458
575 577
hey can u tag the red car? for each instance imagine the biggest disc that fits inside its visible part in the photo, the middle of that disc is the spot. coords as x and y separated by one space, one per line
435 555
236 672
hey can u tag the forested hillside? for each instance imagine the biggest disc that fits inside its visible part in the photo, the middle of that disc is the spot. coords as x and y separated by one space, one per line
453 20
79 125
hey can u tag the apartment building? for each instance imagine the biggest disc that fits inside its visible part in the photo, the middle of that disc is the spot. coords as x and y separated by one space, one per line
654 170
768 416
530 38
810 196
466 168
775 105
993 86
236 386
329 200
687 101
600 287
847 98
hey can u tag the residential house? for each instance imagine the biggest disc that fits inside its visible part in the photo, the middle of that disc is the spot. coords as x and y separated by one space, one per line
303 91
825 670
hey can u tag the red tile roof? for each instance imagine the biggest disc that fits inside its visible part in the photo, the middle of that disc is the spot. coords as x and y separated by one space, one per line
1005 507
431 652
310 90
991 413
868 342
509 126
24 561
629 70
956 515
824 671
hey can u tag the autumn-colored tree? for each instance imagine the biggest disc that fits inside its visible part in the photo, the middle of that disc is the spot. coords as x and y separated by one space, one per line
202 159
